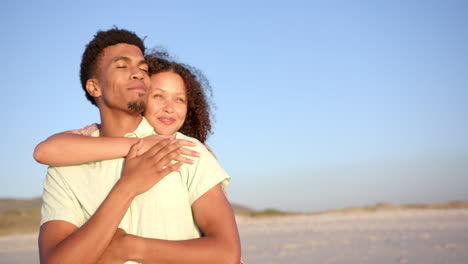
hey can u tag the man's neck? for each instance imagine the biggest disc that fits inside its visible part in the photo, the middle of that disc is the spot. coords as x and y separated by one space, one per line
118 123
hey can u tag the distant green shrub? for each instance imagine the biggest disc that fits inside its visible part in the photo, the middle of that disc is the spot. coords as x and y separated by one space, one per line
268 212
14 212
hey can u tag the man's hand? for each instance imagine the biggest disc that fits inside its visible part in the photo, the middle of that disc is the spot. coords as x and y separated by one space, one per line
140 173
114 252
150 141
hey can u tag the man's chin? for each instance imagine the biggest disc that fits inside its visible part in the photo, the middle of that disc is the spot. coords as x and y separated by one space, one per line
137 106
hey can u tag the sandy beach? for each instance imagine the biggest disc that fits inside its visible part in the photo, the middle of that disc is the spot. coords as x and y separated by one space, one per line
384 237
16 249
416 236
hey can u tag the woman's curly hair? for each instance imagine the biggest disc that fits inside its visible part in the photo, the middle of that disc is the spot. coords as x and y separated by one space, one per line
198 119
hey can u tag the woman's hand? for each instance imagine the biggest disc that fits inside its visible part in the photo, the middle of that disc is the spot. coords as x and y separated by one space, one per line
150 141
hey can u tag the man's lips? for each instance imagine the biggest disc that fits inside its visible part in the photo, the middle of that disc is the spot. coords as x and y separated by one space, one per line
167 120
138 88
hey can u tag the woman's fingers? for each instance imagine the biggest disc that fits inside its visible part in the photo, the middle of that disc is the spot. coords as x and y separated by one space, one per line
189 152
186 143
158 147
160 151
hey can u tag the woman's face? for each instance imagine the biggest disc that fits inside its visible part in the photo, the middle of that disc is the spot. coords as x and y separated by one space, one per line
166 107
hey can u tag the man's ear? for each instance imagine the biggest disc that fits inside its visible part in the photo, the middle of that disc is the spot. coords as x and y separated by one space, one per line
93 88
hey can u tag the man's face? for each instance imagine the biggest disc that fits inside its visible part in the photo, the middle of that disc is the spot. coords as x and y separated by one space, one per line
122 77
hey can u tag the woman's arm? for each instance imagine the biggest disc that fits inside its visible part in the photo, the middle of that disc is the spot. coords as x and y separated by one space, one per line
68 148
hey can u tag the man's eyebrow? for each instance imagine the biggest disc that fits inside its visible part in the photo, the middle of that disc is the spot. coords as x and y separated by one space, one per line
127 59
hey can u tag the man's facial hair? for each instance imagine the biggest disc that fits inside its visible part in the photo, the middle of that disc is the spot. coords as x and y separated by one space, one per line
137 106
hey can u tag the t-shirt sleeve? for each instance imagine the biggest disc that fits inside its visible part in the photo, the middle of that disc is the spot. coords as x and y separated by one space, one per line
58 201
204 174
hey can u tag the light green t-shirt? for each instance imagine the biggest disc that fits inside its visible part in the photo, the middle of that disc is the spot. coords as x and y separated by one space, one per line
74 193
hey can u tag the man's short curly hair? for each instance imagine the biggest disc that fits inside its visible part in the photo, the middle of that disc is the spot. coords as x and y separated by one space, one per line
198 119
93 52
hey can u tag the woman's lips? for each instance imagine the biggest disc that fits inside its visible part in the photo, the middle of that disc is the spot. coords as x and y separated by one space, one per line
167 120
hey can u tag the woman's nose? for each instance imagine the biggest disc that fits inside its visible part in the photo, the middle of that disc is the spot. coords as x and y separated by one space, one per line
168 107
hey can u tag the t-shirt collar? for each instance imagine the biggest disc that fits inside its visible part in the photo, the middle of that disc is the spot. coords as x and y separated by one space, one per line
144 129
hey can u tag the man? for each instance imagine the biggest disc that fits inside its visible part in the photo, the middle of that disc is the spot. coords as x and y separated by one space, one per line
85 205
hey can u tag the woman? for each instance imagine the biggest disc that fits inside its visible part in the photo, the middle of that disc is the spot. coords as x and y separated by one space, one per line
176 103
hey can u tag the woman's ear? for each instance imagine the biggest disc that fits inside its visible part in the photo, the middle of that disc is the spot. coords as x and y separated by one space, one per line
93 88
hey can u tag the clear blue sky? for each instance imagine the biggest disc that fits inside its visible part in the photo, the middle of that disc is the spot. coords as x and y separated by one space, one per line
321 104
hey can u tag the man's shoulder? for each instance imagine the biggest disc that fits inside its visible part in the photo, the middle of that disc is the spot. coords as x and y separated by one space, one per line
73 193
81 171
179 135
85 181
206 157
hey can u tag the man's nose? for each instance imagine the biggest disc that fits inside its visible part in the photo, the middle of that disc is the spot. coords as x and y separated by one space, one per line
137 75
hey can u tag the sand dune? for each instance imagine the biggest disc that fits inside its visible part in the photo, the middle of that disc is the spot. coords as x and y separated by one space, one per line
384 237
